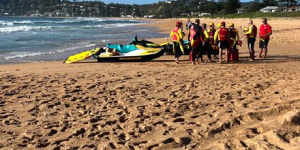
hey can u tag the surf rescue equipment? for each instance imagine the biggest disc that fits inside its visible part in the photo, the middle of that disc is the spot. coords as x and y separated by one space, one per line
135 51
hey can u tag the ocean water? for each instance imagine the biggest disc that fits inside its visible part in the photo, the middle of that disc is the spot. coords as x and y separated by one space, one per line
24 39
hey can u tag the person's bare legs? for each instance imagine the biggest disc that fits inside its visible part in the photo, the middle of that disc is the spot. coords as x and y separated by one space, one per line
266 52
227 56
220 56
260 52
177 60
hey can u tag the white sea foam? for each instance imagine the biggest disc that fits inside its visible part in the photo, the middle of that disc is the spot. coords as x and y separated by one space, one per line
27 22
90 19
11 23
104 41
23 22
6 23
117 25
121 25
22 55
22 28
15 55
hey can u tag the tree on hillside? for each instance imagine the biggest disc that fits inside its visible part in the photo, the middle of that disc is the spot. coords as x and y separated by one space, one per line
270 2
231 6
254 6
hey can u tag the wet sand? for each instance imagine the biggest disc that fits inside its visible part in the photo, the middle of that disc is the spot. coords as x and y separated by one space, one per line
156 105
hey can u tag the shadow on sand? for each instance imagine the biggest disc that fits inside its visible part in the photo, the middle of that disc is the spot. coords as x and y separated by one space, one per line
271 59
243 60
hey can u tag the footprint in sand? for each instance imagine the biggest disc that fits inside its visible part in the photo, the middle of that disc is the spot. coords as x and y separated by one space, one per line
178 120
2 102
42 143
52 132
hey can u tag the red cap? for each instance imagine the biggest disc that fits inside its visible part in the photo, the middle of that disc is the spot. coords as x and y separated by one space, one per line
178 23
222 23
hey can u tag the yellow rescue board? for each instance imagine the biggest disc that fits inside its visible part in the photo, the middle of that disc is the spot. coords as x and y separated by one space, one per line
81 56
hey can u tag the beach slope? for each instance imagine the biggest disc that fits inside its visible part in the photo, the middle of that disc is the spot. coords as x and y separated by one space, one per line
153 105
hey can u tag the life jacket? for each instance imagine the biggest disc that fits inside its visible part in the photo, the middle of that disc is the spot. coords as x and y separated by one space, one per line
175 34
223 34
196 32
192 33
253 34
205 35
211 33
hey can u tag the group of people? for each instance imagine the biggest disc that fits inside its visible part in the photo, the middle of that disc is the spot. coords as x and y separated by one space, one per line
217 39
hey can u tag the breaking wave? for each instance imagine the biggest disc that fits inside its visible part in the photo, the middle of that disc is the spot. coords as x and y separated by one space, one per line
10 29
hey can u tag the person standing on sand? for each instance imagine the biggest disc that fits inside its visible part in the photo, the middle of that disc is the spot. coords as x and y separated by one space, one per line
233 41
221 36
177 37
211 32
265 31
233 35
251 34
188 27
206 47
196 38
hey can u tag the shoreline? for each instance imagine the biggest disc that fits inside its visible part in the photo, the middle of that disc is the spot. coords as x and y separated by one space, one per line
156 105
64 51
163 26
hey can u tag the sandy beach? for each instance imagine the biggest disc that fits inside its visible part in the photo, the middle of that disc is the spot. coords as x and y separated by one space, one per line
158 105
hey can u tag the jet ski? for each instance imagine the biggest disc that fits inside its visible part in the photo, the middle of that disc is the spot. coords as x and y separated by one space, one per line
142 53
135 51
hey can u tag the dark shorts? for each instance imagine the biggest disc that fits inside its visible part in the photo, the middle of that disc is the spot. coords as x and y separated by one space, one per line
177 50
223 44
251 42
264 43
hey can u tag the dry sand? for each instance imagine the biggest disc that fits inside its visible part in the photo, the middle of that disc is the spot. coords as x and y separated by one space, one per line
157 105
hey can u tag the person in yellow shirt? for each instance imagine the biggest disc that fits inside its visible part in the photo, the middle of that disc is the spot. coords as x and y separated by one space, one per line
176 36
251 33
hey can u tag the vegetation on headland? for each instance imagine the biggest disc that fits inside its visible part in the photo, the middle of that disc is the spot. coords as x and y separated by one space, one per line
258 15
166 9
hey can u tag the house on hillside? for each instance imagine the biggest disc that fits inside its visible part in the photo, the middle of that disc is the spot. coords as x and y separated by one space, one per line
204 14
292 9
270 9
170 1
149 16
200 14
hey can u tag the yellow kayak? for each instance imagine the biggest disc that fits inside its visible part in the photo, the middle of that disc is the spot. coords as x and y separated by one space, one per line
81 56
